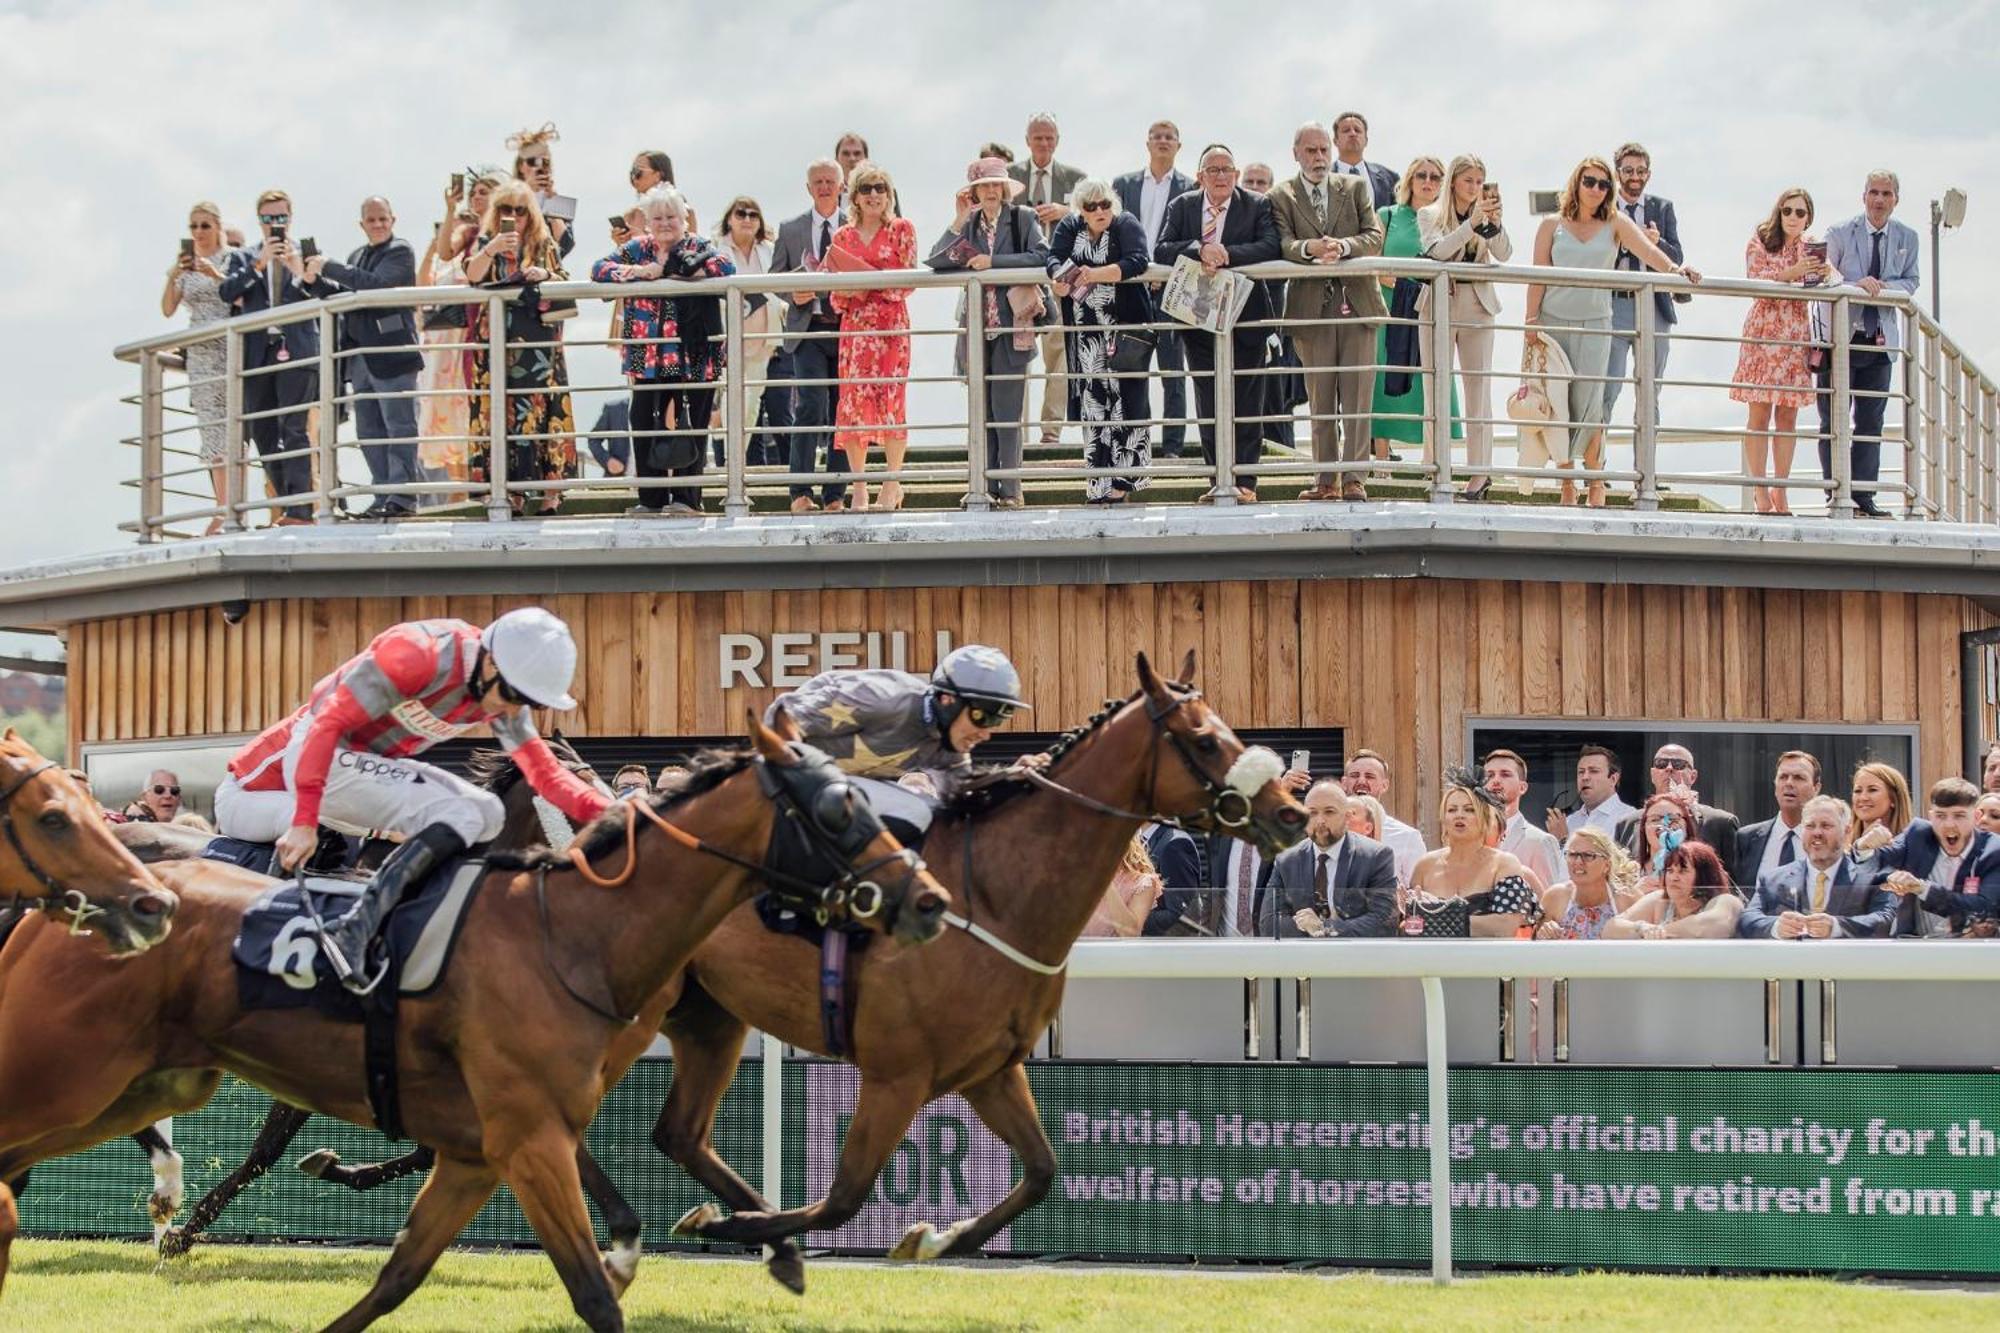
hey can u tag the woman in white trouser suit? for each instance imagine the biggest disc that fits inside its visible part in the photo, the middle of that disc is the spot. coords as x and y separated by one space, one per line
1463 227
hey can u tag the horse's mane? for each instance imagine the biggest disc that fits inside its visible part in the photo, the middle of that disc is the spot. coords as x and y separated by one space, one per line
495 770
706 771
993 785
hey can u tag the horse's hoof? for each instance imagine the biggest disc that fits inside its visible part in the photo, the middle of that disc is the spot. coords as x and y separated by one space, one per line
696 1219
918 1243
320 1164
173 1242
787 1267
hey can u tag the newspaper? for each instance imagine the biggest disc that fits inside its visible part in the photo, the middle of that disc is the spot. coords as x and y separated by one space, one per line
1206 300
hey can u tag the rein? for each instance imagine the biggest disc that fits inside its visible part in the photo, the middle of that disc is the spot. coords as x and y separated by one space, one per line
59 895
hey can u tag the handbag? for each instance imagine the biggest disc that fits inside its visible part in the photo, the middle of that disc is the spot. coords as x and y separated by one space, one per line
1132 349
1438 918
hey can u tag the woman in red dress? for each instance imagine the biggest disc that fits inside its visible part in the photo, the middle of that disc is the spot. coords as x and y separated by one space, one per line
874 342
1771 374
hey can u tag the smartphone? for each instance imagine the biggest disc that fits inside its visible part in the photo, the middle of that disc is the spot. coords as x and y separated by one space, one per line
1302 760
1815 251
458 182
618 222
308 248
508 226
278 233
1544 202
1490 190
187 249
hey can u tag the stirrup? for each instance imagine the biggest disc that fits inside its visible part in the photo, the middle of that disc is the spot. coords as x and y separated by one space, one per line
346 973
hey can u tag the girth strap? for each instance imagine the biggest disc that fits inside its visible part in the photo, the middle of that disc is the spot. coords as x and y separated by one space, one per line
836 1021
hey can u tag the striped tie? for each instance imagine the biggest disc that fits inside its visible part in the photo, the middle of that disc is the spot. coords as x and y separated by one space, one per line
1210 225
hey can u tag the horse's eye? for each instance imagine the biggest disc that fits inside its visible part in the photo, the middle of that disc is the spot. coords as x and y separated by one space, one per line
54 821
1209 745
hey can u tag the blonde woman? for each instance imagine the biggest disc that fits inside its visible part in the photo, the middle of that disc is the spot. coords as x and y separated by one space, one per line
747 239
443 420
1134 891
1400 416
1464 227
1880 799
1587 233
1600 886
874 331
194 280
1468 879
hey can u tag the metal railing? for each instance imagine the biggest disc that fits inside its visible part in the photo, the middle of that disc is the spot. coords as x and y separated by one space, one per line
1940 449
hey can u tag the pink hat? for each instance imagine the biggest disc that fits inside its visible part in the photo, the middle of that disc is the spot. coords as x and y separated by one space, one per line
993 171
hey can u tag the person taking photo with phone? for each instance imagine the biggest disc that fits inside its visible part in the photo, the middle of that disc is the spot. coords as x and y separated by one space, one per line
195 280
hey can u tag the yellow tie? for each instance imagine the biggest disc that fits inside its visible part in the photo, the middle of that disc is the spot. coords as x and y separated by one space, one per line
1819 892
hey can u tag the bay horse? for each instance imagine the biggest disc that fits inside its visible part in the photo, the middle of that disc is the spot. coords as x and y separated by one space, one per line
558 984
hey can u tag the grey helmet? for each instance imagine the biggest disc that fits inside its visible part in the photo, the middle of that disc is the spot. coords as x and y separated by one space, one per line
975 676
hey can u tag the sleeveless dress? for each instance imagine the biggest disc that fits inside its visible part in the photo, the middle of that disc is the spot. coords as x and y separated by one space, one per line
208 362
1401 240
1586 338
1586 923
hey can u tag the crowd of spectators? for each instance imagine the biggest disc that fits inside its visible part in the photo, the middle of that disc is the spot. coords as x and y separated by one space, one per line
839 363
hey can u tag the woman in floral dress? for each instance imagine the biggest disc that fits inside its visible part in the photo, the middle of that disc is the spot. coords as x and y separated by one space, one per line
875 365
1101 250
1771 372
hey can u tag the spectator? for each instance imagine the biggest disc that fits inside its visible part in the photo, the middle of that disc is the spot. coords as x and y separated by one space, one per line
650 169
1881 805
1587 233
1763 847
1236 873
158 801
1367 774
380 357
1258 177
1049 185
1175 855
1655 217
1464 227
1225 226
1498 900
195 279
515 249
1664 822
535 165
874 344
1674 771
1323 219
631 781
1597 791
1135 890
1335 884
812 327
1145 194
1690 899
1989 767
1771 372
745 238
989 231
1285 390
1420 188
1506 777
1350 136
1600 885
1873 252
669 345
269 274
611 434
1943 868
1988 812
672 778
994 148
1821 896
850 150
443 412
1365 816
1104 251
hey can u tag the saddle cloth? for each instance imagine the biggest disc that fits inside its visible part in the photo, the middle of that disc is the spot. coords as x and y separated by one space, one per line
279 964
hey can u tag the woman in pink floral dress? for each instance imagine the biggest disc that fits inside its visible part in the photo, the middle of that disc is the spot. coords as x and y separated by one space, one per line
875 365
1772 375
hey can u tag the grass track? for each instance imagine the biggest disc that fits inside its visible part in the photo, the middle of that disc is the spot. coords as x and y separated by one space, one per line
90 1286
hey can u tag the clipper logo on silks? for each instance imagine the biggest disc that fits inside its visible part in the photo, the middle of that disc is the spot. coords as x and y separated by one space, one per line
368 766
413 715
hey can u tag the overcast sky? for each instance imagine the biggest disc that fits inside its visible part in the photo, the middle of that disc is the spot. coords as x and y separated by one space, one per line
123 114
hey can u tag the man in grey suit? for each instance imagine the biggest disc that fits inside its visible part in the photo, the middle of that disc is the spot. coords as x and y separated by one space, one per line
1049 183
1335 884
1818 897
1322 219
802 244
1145 194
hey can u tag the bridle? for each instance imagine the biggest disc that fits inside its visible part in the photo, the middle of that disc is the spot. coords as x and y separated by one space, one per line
59 896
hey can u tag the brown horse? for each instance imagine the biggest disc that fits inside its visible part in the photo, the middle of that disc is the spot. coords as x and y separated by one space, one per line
561 977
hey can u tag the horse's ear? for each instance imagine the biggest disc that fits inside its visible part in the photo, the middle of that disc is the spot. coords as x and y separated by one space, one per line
770 744
786 726
1187 669
1149 679
12 735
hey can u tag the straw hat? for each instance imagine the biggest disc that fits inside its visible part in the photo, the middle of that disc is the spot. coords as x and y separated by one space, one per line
992 171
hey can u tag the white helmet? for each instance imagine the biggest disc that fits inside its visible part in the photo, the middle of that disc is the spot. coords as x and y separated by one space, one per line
534 654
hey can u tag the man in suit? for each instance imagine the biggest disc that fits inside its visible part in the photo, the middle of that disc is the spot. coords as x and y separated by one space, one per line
1764 846
1818 897
1873 252
1145 195
1223 225
1178 860
802 245
1049 184
1505 774
1599 805
1674 770
1350 136
1654 216
1943 865
275 276
390 363
1322 219
1335 884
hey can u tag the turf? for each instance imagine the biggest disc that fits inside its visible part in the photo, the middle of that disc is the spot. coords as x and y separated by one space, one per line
101 1285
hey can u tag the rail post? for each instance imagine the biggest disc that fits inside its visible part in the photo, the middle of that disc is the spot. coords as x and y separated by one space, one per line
1253 1019
497 508
152 447
1774 1023
1225 419
1560 991
976 498
736 420
1439 426
1645 402
1841 443
234 460
774 1120
1509 992
1303 1016
1913 458
1829 1022
326 439
1437 1078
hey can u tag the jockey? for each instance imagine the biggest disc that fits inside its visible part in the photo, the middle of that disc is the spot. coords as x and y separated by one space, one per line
344 758
894 727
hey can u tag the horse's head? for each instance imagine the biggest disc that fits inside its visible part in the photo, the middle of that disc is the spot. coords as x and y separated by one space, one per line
57 853
827 837
1204 776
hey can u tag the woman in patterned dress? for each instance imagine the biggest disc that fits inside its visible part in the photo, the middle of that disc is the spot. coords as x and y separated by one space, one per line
1103 249
193 281
874 339
1771 371
1495 888
442 412
1600 886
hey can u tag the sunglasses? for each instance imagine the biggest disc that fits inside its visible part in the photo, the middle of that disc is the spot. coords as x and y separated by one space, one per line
534 161
1794 211
875 187
201 226
1595 183
274 219
1101 206
1426 176
165 791
511 211
745 213
989 715
1675 764
636 172
1635 171
1585 856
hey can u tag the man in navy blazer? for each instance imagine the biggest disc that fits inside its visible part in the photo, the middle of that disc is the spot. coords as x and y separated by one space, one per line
1335 884
1655 217
1819 896
1145 195
1177 860
1945 864
1247 234
1873 252
274 263
1350 141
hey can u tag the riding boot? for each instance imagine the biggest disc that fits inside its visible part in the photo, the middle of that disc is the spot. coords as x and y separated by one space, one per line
347 940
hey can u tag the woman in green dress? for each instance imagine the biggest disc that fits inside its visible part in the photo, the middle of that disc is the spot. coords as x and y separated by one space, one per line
1419 188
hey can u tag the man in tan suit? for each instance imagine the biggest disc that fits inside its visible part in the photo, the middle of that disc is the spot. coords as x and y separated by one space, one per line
1322 219
1049 184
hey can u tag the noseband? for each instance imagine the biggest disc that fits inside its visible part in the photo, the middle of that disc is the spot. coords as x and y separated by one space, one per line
1227 807
59 896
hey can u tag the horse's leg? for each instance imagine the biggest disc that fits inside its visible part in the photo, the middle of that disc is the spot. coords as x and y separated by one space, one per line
10 1227
447 1201
281 1125
543 1174
622 1264
167 1179
707 1043
324 1164
1006 1105
881 1117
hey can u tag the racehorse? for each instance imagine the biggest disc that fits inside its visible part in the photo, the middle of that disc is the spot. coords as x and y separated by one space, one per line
557 986
1028 855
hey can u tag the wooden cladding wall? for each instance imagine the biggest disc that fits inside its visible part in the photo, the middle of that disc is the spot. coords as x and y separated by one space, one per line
1398 663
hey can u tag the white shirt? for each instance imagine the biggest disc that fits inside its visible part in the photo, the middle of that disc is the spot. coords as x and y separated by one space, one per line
1774 847
1155 192
1405 843
1605 816
1358 169
1533 848
818 220
1944 875
1245 864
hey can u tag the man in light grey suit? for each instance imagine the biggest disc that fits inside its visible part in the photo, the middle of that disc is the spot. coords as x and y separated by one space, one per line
802 243
1818 897
1049 183
1335 884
